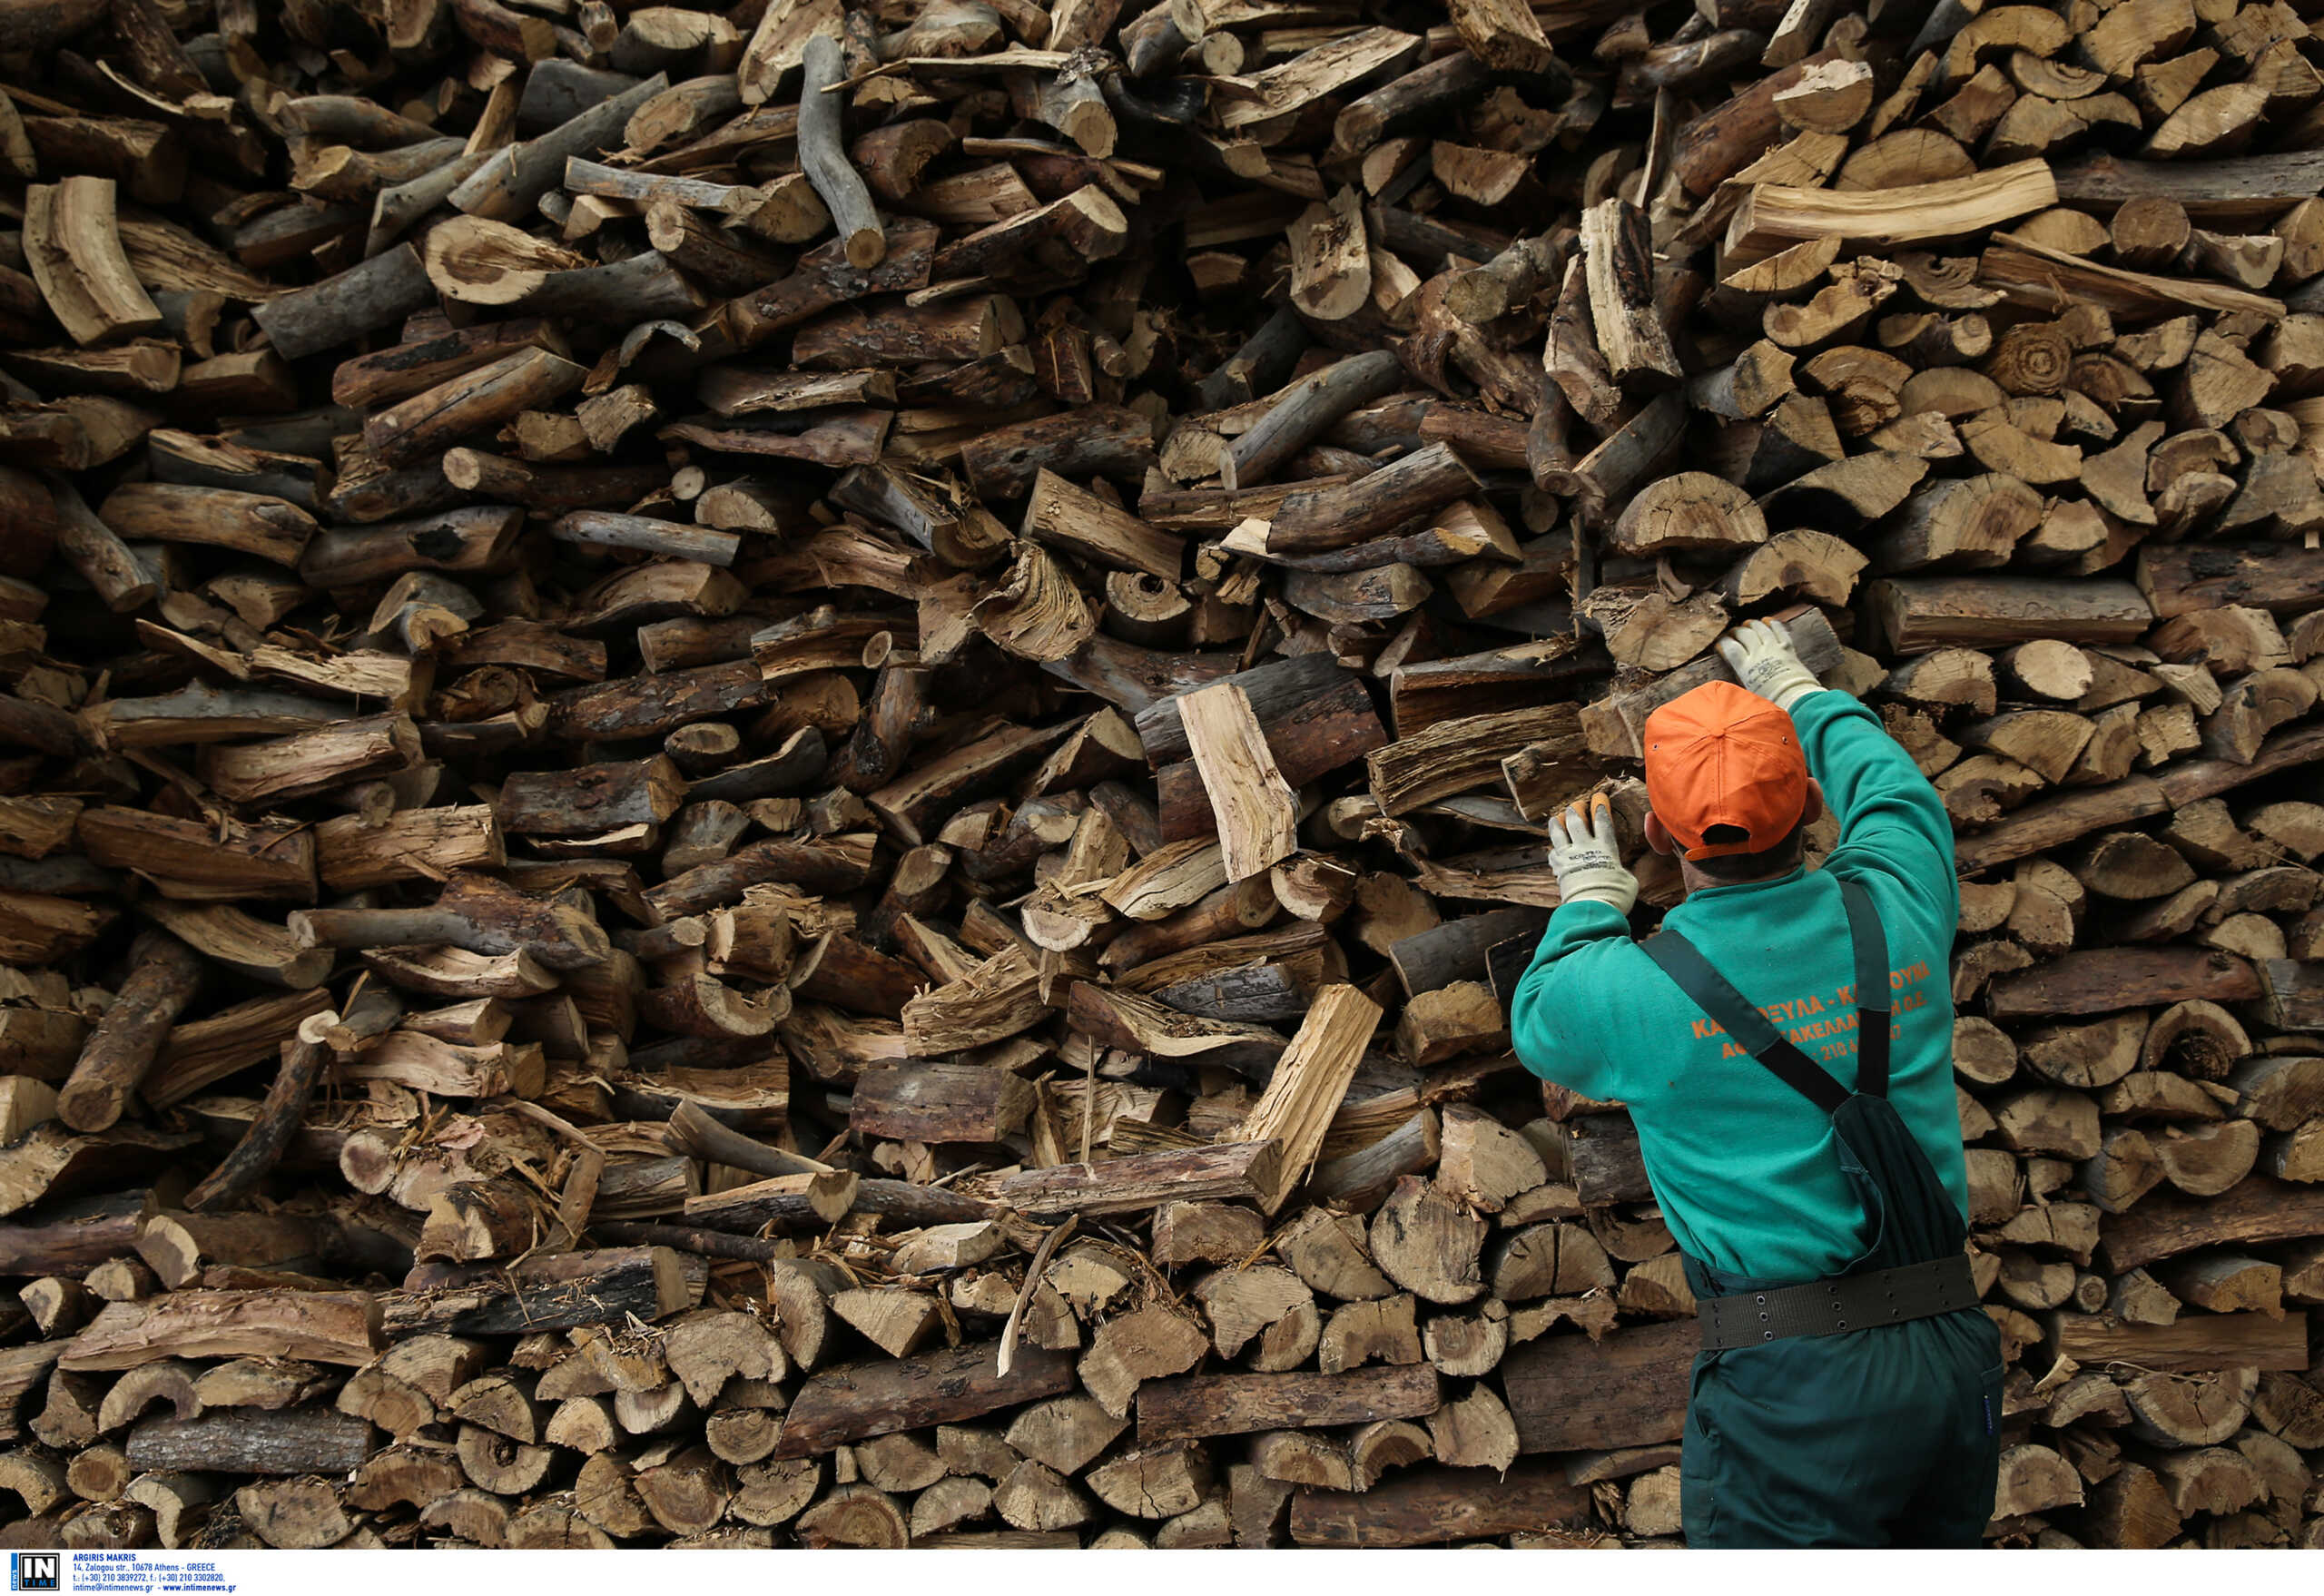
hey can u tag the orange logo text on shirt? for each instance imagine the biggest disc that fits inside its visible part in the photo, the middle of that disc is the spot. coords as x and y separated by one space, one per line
1799 1019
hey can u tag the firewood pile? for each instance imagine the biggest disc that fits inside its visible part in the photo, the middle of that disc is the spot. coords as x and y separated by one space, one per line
759 764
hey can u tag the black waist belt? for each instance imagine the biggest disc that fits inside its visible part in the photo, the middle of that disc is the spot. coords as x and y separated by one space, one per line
1849 1302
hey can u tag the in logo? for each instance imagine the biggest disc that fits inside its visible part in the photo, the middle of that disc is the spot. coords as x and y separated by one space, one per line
36 1570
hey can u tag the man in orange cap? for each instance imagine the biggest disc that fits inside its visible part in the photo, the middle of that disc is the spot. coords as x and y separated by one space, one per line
1785 1045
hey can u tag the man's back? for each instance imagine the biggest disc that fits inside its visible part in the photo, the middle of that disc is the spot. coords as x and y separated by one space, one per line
1748 1171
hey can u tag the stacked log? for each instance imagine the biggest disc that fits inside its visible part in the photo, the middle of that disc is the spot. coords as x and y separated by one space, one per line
767 772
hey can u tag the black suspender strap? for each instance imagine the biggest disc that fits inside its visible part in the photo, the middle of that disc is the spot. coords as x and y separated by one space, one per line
1715 996
1870 945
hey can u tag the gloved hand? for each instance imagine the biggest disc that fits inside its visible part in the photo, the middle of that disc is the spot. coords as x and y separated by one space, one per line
1761 656
1586 858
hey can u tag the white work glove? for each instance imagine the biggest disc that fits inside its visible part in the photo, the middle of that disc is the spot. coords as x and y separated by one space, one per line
1587 857
1761 656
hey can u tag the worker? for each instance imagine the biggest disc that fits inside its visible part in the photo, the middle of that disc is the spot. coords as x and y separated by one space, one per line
1783 1045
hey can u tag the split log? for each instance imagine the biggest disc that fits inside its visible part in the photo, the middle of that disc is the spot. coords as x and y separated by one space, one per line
332 1328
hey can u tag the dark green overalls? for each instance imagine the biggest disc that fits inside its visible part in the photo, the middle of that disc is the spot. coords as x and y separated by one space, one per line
1806 1426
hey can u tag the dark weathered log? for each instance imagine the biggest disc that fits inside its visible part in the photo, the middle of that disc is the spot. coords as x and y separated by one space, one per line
278 1119
1101 439
550 488
940 1103
507 186
2248 189
251 1441
1123 1185
70 1239
1315 520
824 278
2097 981
1232 1405
1429 1505
2183 580
832 864
165 975
2196 1343
420 363
1256 368
472 402
484 918
837 181
1632 1391
337 310
839 1405
1918 613
788 1202
1455 951
1304 412
2256 1209
546 1293
1618 259
97 553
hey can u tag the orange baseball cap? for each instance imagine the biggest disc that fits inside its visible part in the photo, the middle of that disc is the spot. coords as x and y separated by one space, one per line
1721 757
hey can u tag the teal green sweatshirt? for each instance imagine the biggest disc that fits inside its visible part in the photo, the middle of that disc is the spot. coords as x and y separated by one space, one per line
1747 1169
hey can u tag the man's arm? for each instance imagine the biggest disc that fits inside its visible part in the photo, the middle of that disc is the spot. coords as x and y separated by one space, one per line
1547 1026
1891 819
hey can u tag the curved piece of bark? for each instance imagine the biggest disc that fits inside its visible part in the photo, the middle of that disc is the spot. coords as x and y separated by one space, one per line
74 250
333 1327
250 947
169 1380
694 1131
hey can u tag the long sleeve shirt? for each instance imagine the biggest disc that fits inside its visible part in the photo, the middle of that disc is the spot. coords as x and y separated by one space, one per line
1747 1170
